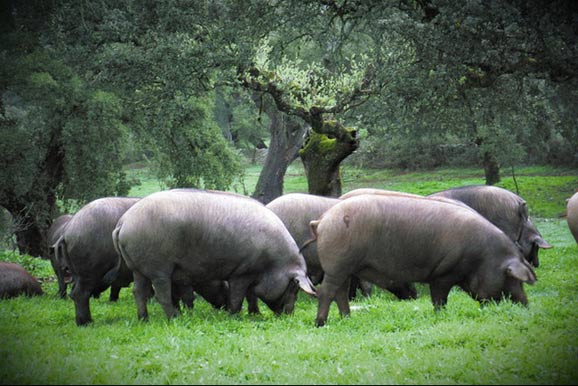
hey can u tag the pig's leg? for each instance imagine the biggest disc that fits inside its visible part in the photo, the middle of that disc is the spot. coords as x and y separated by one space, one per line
325 295
366 288
163 291
363 285
252 301
342 298
403 291
238 289
60 276
114 292
354 283
187 296
80 293
142 291
439 290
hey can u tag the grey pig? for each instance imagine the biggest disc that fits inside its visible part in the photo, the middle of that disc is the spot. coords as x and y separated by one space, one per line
507 211
388 239
210 236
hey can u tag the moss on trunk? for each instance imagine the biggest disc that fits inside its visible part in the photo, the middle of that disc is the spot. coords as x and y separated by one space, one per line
322 154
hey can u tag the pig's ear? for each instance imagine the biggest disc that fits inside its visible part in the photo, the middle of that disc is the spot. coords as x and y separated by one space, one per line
305 284
518 270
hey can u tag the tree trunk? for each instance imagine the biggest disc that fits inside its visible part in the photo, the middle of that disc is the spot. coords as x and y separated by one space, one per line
30 230
491 169
33 211
286 139
322 155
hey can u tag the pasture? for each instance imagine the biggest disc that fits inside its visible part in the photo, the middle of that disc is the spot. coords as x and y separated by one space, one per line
384 341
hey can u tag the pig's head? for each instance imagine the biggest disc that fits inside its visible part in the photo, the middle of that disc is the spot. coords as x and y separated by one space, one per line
495 280
530 241
279 289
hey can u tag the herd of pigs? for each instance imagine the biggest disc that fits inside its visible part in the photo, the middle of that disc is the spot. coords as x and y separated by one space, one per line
226 248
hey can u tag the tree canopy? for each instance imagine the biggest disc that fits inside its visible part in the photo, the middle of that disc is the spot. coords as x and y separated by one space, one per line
410 83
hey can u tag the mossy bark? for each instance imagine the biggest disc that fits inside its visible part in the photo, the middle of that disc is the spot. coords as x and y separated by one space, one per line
322 154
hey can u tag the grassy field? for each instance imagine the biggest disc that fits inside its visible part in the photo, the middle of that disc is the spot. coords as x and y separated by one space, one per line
546 189
384 341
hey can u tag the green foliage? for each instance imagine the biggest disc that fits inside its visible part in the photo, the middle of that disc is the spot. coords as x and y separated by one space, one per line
310 84
241 121
52 110
393 149
484 85
94 148
151 56
431 83
190 149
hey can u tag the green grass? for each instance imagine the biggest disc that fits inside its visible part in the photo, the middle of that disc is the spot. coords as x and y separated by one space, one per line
384 341
295 180
544 188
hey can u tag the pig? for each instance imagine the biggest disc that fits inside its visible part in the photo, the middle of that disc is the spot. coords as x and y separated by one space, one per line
53 234
392 239
404 290
86 250
507 211
210 236
360 191
297 210
572 215
16 281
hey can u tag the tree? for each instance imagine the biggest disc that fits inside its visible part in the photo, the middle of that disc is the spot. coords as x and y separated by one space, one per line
155 57
502 71
296 31
59 138
476 72
71 92
313 94
286 138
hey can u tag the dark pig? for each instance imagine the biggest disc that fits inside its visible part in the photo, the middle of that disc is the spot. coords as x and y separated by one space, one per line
210 236
54 232
507 211
16 281
392 239
86 249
